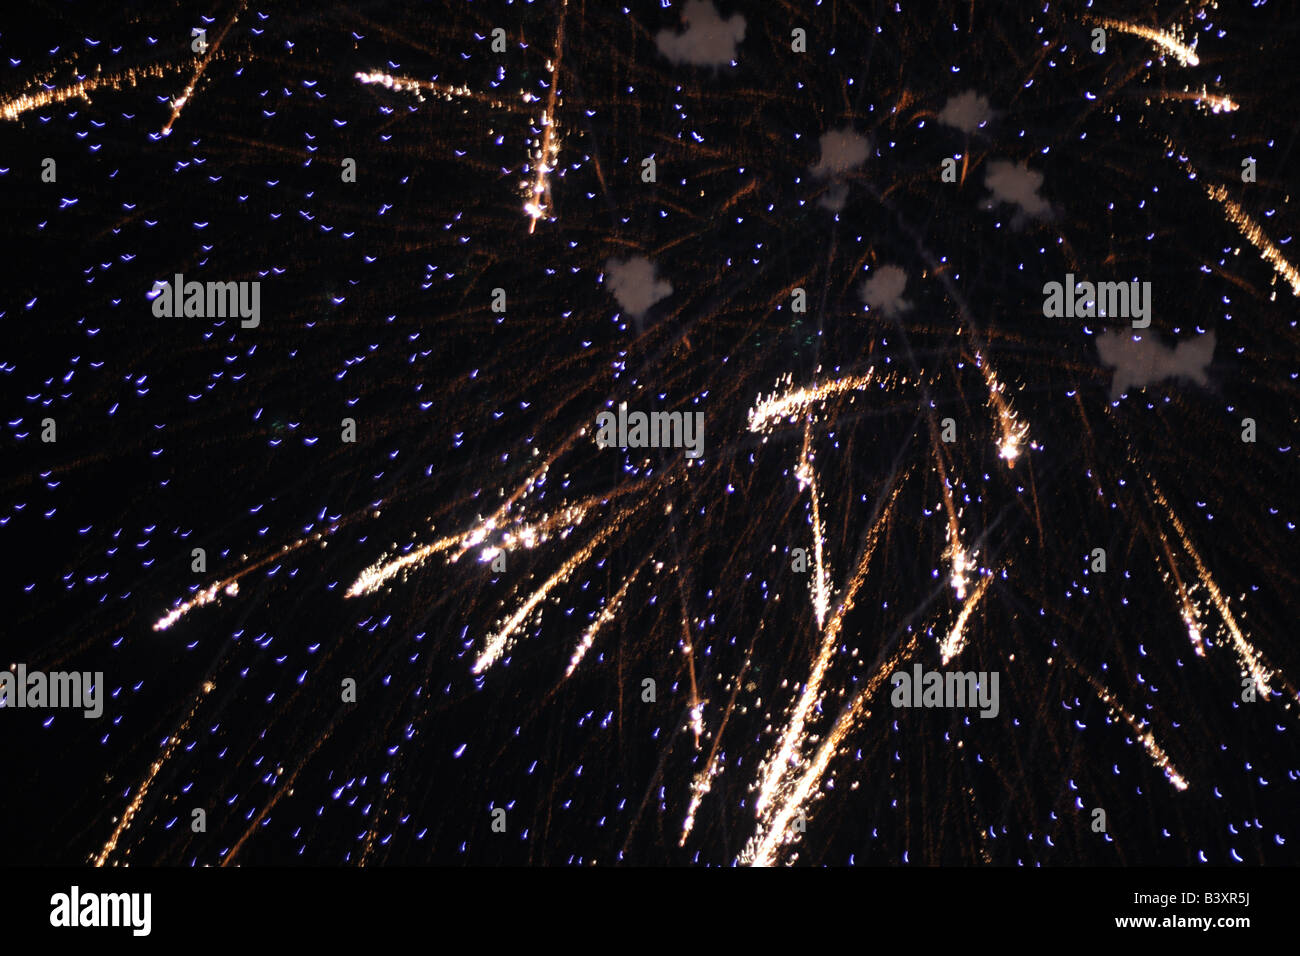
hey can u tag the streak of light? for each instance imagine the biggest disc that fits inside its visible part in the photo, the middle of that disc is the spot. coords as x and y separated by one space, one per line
1191 613
778 765
499 642
1212 101
791 403
526 536
206 596
374 576
956 639
1144 736
768 838
230 585
962 562
1168 41
700 787
1014 432
607 614
547 154
697 719
16 106
1251 230
703 781
1243 221
444 91
807 477
523 534
688 651
1251 660
179 102
134 807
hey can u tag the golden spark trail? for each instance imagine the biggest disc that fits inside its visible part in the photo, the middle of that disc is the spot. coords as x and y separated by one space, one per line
961 561
1215 103
807 476
761 849
1014 432
15 107
539 200
134 807
764 412
1251 660
777 831
229 585
1247 226
406 84
526 536
1251 230
688 651
1168 41
778 765
1191 613
700 788
703 781
497 644
607 614
955 554
526 487
956 639
1157 755
374 576
791 403
206 596
178 104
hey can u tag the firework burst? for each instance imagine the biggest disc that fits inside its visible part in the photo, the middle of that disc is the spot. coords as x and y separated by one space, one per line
638 655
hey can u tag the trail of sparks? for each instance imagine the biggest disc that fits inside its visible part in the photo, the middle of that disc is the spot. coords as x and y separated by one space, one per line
498 643
807 476
538 204
1243 221
607 614
134 807
688 651
703 781
525 535
527 486
15 107
1191 613
1251 660
407 84
1215 103
960 561
543 153
1168 41
373 577
762 846
1144 736
700 788
791 403
229 586
1014 432
1251 230
178 104
528 535
778 765
955 642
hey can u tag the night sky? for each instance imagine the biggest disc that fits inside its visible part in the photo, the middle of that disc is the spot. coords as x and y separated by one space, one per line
881 386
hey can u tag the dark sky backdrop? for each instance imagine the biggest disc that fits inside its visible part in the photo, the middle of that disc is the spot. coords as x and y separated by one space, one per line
375 304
